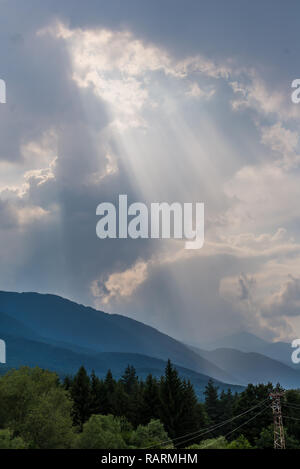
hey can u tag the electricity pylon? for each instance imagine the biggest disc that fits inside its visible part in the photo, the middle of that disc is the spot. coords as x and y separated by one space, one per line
279 439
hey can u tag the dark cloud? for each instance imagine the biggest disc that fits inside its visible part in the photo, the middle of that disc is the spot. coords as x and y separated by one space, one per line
58 251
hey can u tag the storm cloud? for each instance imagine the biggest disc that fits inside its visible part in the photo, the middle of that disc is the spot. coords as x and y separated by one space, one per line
171 101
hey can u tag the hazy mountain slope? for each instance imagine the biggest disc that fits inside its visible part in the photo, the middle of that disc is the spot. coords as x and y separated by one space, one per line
253 367
280 351
243 341
21 351
246 342
11 326
60 320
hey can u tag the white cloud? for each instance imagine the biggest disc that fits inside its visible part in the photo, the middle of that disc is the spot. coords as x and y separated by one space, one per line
254 93
117 66
285 301
194 91
120 284
262 197
283 142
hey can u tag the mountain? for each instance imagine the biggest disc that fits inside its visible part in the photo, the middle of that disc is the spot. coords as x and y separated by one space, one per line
9 325
281 351
58 334
250 367
27 352
243 341
247 342
76 327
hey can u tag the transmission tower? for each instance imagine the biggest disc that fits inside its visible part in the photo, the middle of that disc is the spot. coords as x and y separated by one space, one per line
279 440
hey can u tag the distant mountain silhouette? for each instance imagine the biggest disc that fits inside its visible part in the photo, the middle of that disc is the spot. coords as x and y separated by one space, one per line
10 325
280 351
27 352
243 341
250 367
79 328
58 334
247 342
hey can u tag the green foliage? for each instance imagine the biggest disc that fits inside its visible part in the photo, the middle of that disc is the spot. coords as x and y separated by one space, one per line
266 439
291 412
7 441
191 421
240 443
151 435
37 411
49 423
97 395
221 443
214 443
254 396
101 432
81 394
212 405
212 402
151 400
36 408
178 405
129 380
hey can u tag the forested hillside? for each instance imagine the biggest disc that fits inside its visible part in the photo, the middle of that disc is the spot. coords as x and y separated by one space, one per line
40 411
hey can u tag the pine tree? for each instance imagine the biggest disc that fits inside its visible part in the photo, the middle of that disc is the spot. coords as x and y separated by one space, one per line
212 406
108 393
67 383
226 404
134 392
190 418
98 395
81 395
120 403
129 379
250 397
171 395
109 382
151 400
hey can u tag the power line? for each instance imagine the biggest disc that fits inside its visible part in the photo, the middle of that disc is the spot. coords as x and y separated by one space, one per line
291 405
289 417
206 430
235 429
189 439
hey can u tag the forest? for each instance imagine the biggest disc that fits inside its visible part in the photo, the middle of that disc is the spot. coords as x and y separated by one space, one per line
41 411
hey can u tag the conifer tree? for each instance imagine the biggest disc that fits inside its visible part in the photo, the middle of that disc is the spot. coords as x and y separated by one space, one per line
120 401
212 406
254 395
67 383
108 394
190 418
129 379
226 404
97 395
171 395
151 400
81 395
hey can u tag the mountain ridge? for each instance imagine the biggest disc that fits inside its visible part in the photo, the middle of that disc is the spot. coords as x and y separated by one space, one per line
57 319
253 367
27 352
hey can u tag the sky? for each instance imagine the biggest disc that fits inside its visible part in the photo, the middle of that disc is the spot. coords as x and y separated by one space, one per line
173 100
